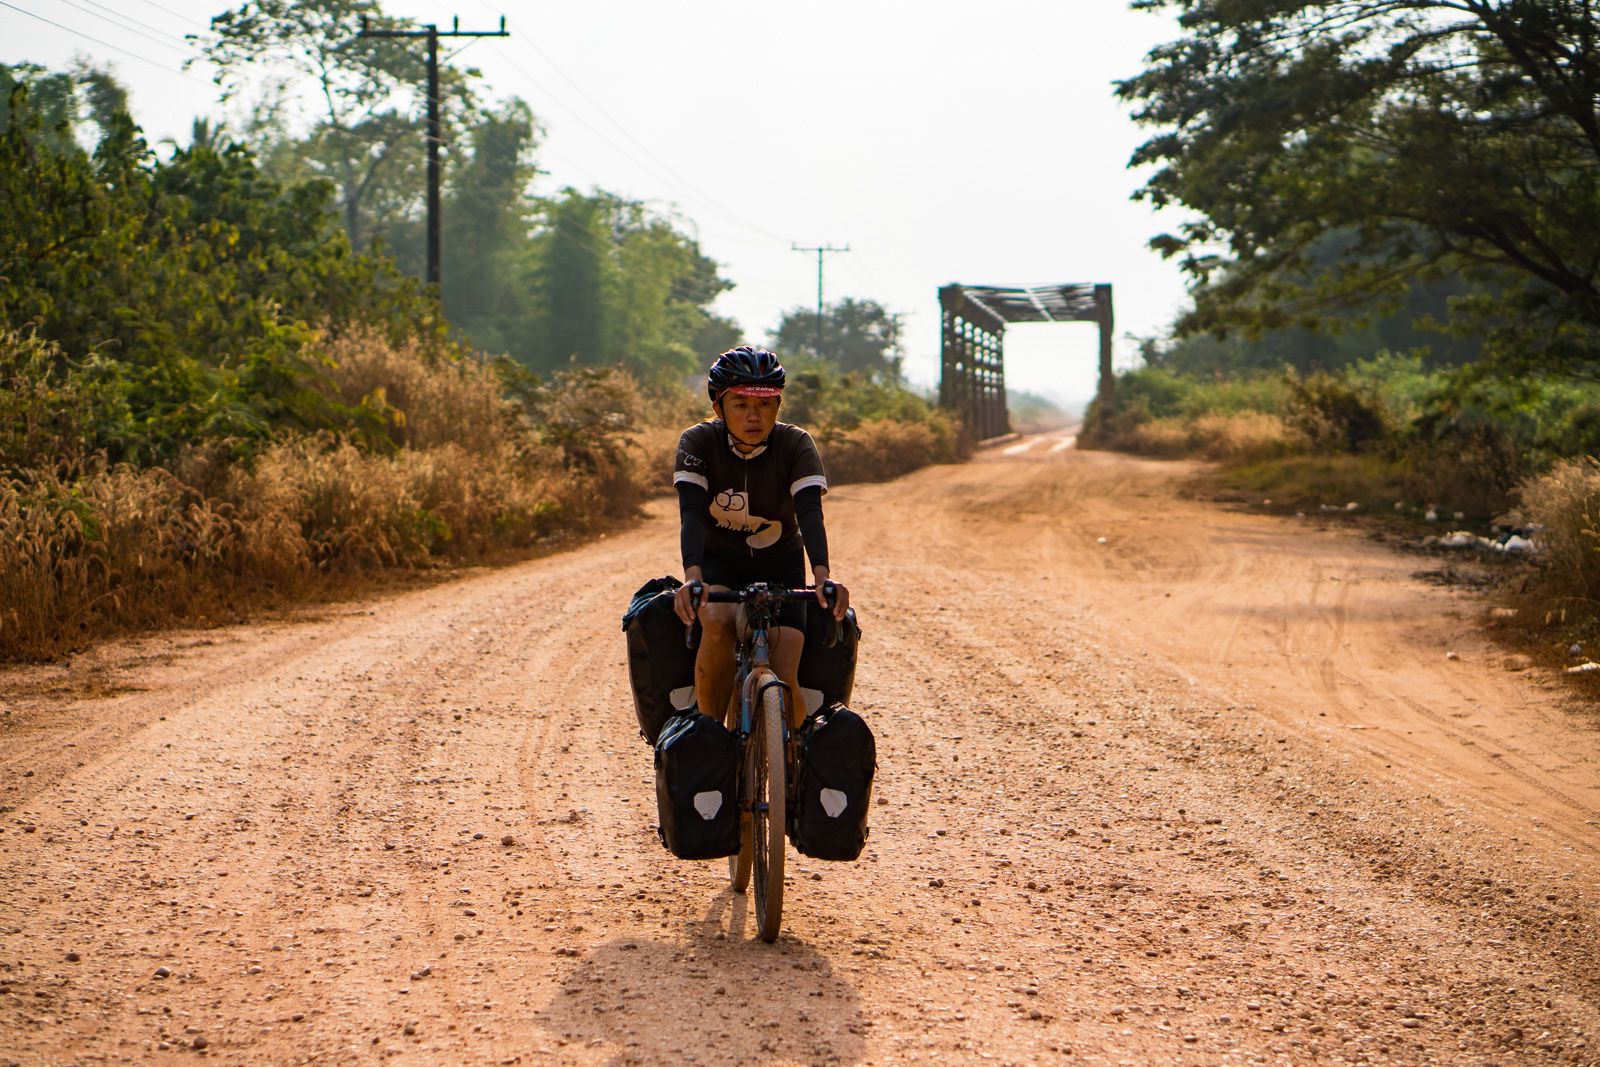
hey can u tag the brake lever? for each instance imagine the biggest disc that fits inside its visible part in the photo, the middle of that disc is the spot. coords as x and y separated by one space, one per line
691 637
836 631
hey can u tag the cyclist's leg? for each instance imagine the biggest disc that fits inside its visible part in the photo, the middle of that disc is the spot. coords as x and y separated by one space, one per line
786 643
713 664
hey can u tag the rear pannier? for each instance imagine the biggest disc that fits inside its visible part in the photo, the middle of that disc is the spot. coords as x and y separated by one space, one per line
660 667
829 671
697 787
833 785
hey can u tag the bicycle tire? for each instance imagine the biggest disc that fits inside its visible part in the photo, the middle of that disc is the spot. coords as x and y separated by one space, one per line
768 822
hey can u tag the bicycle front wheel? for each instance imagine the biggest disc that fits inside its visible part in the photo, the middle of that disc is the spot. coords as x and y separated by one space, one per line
769 794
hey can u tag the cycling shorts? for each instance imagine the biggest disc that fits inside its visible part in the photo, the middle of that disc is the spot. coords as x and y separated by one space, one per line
737 570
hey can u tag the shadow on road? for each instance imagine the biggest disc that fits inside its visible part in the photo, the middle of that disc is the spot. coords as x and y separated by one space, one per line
713 996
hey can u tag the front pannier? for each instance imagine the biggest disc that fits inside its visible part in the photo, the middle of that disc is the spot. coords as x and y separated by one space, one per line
830 671
697 787
833 785
659 664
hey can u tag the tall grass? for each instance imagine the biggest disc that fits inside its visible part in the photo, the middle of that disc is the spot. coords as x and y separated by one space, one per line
438 465
1566 503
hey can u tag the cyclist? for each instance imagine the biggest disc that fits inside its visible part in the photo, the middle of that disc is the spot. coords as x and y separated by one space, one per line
750 510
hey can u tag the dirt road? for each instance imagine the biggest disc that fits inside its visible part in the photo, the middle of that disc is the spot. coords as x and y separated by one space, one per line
1209 791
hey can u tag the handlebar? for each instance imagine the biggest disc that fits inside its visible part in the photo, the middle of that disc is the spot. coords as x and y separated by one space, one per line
756 592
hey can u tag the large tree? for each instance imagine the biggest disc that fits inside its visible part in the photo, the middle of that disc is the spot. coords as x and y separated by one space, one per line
366 97
861 336
1427 137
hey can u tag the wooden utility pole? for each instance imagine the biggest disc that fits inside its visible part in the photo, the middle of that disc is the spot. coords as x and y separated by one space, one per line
820 250
435 134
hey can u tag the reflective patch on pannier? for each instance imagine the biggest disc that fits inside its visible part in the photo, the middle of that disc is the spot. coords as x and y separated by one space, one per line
833 802
708 803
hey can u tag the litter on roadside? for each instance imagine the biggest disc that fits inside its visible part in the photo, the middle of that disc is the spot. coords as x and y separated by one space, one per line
1584 668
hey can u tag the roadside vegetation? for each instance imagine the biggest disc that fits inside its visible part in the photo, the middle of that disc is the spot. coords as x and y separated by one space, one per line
1394 282
221 386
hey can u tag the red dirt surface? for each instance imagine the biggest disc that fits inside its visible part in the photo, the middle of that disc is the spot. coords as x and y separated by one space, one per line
1209 791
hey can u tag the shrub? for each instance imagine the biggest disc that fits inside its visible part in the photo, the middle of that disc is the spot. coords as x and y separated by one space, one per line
880 449
1335 414
1566 502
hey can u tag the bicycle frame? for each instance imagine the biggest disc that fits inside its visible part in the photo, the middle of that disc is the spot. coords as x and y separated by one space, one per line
766 745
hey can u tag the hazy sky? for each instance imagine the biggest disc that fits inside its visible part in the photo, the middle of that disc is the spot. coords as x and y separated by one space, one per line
940 141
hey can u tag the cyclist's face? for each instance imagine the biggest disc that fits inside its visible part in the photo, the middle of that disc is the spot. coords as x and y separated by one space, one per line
750 418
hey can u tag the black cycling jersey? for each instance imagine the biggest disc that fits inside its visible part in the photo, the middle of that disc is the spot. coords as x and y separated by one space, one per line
750 498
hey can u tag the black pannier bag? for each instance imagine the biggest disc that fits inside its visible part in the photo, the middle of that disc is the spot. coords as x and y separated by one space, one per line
833 785
830 671
697 787
659 665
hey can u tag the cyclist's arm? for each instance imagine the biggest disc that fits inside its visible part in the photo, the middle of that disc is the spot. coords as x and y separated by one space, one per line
808 513
693 501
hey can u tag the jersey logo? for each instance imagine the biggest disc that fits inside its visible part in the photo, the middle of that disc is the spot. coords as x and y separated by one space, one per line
731 511
689 461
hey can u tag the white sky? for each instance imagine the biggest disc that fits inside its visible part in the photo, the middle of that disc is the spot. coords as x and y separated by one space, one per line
940 141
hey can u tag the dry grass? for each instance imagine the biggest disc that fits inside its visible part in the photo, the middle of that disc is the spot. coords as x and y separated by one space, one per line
880 449
1237 437
1566 502
89 548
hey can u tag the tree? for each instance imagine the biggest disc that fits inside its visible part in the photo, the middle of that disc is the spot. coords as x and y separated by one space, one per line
618 286
1437 136
367 137
859 336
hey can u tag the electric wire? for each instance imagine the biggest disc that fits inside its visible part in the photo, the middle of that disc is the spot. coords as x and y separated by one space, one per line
103 44
126 24
661 169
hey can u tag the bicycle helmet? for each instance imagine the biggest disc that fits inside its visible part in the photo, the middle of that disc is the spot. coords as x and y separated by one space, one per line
747 371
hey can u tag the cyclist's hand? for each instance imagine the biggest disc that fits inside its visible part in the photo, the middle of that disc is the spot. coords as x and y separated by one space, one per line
841 595
681 602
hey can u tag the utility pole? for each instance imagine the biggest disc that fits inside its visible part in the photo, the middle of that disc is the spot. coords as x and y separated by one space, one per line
435 134
820 250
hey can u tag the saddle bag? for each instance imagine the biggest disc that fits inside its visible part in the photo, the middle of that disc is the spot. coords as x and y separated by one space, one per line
829 671
833 785
660 668
697 787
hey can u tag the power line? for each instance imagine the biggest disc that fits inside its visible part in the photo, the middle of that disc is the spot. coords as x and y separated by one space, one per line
121 22
103 44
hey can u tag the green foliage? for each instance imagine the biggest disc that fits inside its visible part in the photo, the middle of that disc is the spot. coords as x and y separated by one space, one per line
198 277
368 139
1335 414
822 396
1425 139
614 285
858 336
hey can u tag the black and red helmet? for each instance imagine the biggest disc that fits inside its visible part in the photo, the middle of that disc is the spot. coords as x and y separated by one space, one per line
747 371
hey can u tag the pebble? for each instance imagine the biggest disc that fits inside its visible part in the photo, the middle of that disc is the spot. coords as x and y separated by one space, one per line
508 840
200 1041
73 957
163 972
477 837
935 883
1410 1022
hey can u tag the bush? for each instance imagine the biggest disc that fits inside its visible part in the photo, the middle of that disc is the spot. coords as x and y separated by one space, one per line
1566 502
880 449
1335 414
